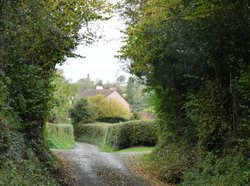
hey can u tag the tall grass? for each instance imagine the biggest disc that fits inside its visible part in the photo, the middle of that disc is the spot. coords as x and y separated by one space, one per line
60 136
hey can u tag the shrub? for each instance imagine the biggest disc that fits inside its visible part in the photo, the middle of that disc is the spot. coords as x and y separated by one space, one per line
80 112
118 136
4 137
20 165
132 133
170 160
105 109
227 170
91 131
59 135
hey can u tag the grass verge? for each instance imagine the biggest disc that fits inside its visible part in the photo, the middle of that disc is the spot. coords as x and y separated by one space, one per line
141 166
60 136
137 149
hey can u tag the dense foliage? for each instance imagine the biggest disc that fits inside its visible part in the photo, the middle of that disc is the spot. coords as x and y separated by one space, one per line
85 84
35 35
98 108
194 55
19 165
64 98
59 136
30 51
93 133
103 108
79 113
131 134
137 97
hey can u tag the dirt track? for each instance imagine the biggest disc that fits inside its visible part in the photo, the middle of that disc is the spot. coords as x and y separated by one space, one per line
95 168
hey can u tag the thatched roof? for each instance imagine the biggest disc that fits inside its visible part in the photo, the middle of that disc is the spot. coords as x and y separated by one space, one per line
94 92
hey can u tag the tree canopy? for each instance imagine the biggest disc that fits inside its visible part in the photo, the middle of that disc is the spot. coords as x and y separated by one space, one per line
35 36
195 56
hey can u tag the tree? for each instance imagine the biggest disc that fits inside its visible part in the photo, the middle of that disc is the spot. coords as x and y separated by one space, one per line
83 85
98 82
136 97
35 36
105 109
79 113
121 79
64 98
194 55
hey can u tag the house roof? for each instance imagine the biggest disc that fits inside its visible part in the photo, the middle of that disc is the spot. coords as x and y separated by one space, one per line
94 92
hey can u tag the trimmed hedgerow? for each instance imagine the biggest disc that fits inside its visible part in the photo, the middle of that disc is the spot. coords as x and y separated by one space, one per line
118 136
132 133
93 133
59 135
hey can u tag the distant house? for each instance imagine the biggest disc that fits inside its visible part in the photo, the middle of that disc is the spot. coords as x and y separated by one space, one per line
111 94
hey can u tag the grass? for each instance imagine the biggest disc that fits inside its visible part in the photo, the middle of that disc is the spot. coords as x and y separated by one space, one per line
137 149
60 136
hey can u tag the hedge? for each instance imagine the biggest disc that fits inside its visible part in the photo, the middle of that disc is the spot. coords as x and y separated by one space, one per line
120 135
92 133
132 133
59 136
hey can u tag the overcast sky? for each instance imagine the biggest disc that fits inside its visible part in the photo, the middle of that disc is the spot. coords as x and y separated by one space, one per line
100 62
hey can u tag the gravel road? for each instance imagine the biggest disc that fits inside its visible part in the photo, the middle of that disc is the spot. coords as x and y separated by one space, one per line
95 168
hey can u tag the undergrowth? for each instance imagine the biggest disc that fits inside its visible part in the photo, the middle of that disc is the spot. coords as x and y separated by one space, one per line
179 164
59 136
19 165
229 170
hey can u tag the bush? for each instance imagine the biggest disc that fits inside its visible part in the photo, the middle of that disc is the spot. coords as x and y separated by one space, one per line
19 165
118 136
80 113
4 137
98 108
105 109
228 170
59 135
91 132
132 133
170 160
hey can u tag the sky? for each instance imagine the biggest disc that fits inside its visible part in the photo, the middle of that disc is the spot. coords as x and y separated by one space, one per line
99 62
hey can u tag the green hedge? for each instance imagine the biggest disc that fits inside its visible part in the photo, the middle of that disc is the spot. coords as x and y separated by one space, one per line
120 135
59 136
132 133
92 133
